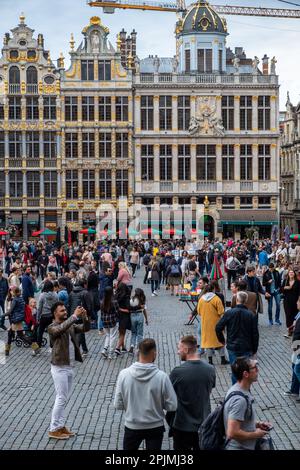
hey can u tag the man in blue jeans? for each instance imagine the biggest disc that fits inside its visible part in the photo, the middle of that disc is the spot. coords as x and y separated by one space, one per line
272 283
242 331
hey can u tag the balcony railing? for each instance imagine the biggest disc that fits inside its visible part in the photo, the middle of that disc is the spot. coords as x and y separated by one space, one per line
15 162
50 202
246 186
210 78
166 186
33 202
14 89
33 163
209 186
15 202
2 202
50 162
32 88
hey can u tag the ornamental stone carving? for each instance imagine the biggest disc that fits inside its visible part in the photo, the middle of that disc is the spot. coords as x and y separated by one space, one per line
206 120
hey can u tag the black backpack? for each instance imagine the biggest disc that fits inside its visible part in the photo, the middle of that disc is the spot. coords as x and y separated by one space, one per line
212 434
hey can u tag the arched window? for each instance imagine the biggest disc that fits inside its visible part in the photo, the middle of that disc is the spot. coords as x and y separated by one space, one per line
31 76
14 76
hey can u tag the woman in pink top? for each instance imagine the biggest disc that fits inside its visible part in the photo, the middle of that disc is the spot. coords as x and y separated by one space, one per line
124 275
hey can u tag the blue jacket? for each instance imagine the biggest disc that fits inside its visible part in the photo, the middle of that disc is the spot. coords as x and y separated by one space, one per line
263 258
3 288
27 287
105 281
17 310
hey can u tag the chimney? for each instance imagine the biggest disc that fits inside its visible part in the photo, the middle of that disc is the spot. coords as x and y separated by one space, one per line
123 47
265 65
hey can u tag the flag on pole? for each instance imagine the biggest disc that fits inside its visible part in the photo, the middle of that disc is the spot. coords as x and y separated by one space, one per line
216 272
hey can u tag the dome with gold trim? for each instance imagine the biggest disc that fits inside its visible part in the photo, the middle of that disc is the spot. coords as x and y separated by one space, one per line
202 18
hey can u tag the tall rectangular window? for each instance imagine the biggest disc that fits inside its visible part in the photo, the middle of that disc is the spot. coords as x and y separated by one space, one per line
104 68
88 145
2 144
165 113
88 184
187 60
50 147
264 162
121 108
204 60
71 145
72 216
88 108
32 107
15 184
264 113
147 162
87 70
105 184
246 113
15 144
121 183
32 144
206 162
220 61
50 182
246 164
228 162
1 111
165 162
184 162
228 112
184 112
33 184
147 111
49 107
105 145
72 184
71 108
121 145
14 108
104 108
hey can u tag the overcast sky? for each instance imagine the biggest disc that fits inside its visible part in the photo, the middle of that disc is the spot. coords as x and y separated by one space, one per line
57 19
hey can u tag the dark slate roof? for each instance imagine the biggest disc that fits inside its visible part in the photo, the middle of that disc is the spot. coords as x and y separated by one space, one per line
202 18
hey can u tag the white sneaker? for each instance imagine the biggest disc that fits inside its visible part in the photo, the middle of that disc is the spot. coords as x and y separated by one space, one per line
153 295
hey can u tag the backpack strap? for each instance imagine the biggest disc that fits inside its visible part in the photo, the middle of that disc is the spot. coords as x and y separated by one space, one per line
232 394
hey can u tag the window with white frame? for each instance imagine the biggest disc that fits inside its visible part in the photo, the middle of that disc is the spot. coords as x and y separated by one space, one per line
33 184
228 112
104 108
14 108
71 108
165 113
206 162
264 113
50 183
184 112
147 110
246 162
88 108
184 162
88 184
228 162
15 144
88 145
121 183
204 60
105 184
32 144
32 107
72 184
71 145
147 162
50 147
105 145
49 107
165 162
121 144
121 108
264 162
246 113
87 70
15 183
104 70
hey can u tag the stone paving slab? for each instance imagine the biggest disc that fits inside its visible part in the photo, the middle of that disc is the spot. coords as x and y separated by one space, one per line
27 390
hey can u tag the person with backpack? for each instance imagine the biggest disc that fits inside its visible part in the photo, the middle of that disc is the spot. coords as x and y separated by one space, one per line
193 382
146 261
174 275
44 317
232 425
154 275
138 314
16 315
232 266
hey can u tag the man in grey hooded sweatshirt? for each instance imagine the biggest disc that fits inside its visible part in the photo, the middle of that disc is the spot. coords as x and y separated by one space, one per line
144 392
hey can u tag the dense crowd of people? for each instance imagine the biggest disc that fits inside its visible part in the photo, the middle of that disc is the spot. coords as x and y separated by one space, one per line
68 290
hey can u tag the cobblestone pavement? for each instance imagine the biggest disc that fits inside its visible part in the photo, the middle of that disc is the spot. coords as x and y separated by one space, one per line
27 390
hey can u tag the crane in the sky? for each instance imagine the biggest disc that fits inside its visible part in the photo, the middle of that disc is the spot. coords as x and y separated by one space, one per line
179 6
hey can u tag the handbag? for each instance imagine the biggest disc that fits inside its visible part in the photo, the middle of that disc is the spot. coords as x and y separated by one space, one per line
149 275
264 443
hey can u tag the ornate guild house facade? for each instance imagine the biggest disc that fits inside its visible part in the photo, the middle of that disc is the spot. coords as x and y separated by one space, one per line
201 126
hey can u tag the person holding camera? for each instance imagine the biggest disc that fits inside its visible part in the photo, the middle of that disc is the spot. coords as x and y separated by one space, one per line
64 331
